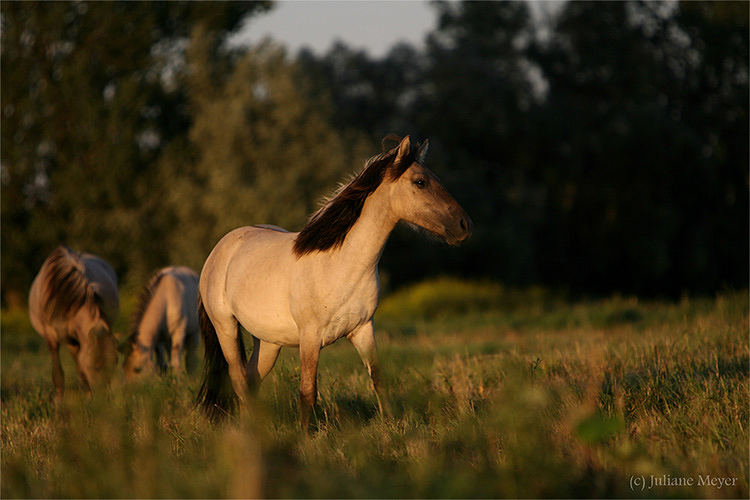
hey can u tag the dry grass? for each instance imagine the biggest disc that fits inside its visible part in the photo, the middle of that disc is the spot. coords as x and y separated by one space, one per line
532 397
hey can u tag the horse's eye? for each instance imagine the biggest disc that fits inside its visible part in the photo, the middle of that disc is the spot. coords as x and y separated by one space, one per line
420 183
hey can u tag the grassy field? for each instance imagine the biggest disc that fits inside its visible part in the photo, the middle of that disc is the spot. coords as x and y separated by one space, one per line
496 393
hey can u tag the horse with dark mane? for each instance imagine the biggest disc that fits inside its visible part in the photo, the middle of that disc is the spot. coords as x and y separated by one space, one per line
73 301
165 324
311 288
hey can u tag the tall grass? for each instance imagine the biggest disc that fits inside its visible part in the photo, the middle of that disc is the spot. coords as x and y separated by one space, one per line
537 398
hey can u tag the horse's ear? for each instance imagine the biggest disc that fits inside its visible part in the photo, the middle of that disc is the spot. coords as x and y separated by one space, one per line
389 138
422 151
403 149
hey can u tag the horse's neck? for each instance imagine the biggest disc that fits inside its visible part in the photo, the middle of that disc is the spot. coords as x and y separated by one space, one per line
368 236
358 256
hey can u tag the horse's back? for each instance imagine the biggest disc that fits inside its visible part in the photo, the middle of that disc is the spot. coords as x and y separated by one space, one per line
254 245
272 227
262 254
182 273
103 281
181 282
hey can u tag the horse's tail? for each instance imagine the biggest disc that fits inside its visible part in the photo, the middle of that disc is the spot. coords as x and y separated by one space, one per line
216 395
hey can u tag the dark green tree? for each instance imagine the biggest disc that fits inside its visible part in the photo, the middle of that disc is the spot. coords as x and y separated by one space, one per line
373 96
260 150
646 160
474 101
90 100
603 148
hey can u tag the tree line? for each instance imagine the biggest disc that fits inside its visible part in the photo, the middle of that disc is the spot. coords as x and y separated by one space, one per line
603 148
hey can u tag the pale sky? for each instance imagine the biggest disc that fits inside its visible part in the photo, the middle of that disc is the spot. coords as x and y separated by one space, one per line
368 24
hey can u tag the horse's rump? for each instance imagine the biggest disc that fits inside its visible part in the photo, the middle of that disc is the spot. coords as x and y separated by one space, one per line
66 287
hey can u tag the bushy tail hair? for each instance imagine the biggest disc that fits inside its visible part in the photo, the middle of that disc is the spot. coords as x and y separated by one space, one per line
216 395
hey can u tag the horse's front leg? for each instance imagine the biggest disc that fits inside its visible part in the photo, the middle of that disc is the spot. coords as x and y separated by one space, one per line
363 339
58 378
75 350
309 353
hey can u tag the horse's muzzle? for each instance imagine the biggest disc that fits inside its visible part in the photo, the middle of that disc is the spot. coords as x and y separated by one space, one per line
461 232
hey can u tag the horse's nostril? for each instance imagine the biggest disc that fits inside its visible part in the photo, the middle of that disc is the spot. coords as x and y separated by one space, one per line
462 223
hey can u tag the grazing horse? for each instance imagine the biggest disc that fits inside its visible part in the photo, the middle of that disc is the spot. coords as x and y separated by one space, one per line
73 301
165 321
311 288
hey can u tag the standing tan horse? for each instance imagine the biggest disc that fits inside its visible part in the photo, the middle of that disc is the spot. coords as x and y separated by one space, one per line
165 323
311 288
73 301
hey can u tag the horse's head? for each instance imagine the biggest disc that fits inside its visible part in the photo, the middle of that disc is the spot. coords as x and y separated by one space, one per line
138 360
97 358
418 197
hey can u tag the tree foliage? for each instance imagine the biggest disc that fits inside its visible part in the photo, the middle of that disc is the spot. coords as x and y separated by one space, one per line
601 148
87 109
262 151
650 172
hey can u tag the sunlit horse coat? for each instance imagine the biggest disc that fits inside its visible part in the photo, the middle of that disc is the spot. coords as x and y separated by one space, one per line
309 289
165 323
73 301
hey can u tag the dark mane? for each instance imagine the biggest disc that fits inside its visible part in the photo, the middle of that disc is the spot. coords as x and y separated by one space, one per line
66 288
327 228
143 300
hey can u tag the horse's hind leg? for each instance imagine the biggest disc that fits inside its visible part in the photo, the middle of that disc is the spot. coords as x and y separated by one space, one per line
224 358
262 360
230 339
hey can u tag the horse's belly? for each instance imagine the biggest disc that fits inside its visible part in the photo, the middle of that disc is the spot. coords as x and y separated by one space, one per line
269 327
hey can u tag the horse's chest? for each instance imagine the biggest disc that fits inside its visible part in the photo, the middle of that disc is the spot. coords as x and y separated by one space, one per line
330 307
341 325
347 317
